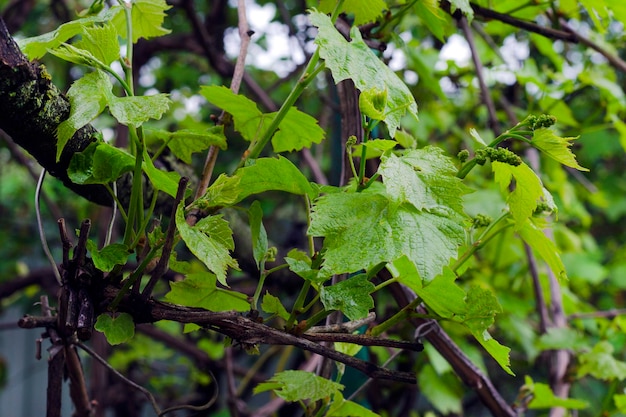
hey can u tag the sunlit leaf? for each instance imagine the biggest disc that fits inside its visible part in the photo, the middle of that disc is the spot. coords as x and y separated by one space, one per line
543 397
200 290
600 363
135 110
365 11
555 147
528 189
210 240
101 42
497 351
544 247
146 19
341 407
272 305
354 60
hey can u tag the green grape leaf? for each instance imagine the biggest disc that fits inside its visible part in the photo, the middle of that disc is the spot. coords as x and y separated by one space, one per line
364 229
556 147
200 290
272 305
601 364
496 350
354 60
263 174
464 6
101 42
443 296
70 53
365 11
299 385
301 265
117 330
296 131
426 178
135 110
444 392
185 142
432 15
111 255
146 19
99 163
543 397
88 98
259 235
341 407
527 193
544 246
351 297
38 46
161 180
482 306
210 240
248 118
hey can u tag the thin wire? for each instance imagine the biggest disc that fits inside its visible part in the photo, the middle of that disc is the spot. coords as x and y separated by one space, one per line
107 240
42 233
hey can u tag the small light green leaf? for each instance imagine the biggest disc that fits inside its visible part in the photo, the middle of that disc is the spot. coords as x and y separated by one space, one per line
544 246
70 53
118 329
355 60
296 131
147 17
263 174
99 163
464 6
272 305
185 142
135 110
562 338
405 139
200 290
543 397
38 46
426 178
482 306
365 11
443 296
351 297
601 364
299 385
259 235
101 42
161 180
110 256
88 98
300 264
246 115
528 189
496 350
556 147
374 148
476 136
345 408
433 16
210 240
372 103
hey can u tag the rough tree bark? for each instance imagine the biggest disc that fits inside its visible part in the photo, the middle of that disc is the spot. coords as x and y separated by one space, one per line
31 109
